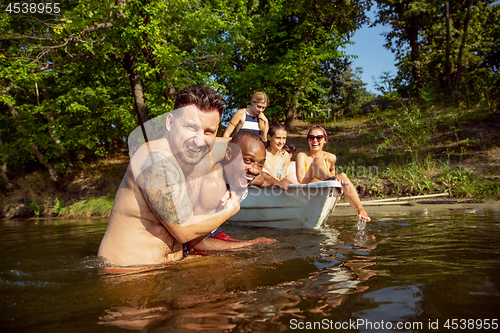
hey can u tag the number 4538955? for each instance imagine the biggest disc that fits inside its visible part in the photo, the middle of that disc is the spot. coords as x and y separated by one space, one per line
471 324
32 8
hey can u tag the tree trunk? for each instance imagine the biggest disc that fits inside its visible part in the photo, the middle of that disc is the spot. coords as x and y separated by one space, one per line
129 63
290 115
447 65
3 171
462 47
412 31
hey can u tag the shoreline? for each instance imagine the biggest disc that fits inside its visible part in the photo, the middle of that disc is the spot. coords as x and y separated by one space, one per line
424 207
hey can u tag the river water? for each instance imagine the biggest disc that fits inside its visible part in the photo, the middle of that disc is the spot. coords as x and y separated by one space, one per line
425 270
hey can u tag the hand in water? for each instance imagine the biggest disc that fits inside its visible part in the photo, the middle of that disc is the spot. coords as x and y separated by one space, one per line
264 240
363 216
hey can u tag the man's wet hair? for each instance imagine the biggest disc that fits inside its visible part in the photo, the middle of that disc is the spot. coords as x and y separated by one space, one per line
243 133
206 99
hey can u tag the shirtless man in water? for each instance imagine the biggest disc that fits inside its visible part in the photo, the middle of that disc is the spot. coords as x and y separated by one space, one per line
242 165
168 194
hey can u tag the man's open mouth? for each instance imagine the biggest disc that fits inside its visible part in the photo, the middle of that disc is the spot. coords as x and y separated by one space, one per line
244 180
193 150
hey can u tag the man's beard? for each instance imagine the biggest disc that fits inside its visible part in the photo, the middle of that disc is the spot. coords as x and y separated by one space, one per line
192 160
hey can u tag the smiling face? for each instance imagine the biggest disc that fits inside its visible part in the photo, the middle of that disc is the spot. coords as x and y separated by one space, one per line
191 133
316 140
247 160
278 140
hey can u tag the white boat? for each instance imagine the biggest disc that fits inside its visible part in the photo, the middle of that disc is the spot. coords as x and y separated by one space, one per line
301 206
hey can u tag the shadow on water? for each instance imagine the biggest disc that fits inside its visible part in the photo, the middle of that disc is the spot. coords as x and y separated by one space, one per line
404 268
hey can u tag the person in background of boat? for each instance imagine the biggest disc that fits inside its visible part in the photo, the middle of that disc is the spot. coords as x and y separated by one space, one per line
251 118
291 173
278 159
319 165
159 204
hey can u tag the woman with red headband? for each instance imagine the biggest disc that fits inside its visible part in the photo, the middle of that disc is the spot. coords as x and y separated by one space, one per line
317 165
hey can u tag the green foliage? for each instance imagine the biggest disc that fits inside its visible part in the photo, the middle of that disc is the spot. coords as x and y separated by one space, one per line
408 126
93 206
349 94
413 177
286 50
459 181
444 49
58 206
388 86
75 84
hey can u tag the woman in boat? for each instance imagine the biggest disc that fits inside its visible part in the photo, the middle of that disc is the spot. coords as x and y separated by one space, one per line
291 173
277 158
317 165
251 118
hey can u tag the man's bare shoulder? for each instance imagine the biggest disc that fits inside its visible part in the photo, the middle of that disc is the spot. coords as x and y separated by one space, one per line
160 146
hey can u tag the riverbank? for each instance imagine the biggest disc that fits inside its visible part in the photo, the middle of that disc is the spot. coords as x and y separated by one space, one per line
423 207
416 151
386 153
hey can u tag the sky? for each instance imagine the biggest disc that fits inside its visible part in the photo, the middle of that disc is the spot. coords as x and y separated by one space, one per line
371 54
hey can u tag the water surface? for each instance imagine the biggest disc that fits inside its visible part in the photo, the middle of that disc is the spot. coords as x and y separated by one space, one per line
418 268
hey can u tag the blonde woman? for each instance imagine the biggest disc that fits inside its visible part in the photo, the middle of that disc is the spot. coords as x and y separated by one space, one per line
251 118
317 165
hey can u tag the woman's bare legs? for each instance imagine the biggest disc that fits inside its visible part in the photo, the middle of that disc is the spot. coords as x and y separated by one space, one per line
352 197
317 171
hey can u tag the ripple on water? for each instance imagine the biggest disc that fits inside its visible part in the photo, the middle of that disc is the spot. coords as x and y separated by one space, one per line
398 267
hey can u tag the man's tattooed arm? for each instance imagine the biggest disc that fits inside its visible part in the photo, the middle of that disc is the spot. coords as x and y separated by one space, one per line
163 185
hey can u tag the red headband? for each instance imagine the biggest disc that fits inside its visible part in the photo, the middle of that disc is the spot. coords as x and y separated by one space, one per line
317 126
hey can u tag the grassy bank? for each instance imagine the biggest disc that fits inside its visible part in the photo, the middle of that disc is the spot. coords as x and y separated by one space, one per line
416 150
87 191
410 150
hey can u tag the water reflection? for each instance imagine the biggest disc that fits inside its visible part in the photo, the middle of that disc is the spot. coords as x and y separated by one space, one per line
409 267
304 274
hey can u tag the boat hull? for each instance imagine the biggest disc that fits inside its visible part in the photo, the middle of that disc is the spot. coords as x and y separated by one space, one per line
301 206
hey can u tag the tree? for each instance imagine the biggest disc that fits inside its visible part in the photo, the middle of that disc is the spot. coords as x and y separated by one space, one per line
76 82
350 93
440 44
283 49
71 79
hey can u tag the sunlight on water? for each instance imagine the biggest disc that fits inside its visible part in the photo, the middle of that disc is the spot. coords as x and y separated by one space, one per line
401 268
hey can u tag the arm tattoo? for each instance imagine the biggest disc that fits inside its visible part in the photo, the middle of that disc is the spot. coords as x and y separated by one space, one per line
163 185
